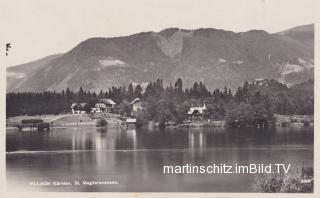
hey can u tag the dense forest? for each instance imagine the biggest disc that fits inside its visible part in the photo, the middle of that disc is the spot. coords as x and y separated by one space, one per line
250 104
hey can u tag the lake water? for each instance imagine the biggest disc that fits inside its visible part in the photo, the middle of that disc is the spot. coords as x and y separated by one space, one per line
134 159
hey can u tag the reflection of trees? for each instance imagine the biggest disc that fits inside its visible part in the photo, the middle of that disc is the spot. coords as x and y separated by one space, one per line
125 139
120 139
111 139
103 146
82 141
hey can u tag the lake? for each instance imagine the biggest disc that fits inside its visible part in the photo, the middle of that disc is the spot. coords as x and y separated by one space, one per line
134 159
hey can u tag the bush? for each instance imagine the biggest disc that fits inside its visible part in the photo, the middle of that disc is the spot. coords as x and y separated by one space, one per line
246 115
101 122
141 120
125 108
306 123
283 182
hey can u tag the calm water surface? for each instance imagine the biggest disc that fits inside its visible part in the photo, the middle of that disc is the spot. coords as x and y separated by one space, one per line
135 158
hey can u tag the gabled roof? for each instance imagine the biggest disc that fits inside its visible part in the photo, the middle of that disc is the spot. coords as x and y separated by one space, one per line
135 100
108 101
199 109
100 103
80 104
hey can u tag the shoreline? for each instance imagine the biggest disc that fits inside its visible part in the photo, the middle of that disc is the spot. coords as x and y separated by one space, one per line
84 120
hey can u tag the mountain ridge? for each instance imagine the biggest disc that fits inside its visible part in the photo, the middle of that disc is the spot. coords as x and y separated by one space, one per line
216 57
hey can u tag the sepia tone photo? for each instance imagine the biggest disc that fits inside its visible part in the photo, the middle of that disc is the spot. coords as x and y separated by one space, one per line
160 96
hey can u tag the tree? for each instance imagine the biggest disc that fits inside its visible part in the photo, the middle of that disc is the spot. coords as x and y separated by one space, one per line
178 86
125 108
81 95
138 91
130 93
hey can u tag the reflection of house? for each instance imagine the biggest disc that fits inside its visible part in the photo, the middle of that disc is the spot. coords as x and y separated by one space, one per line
197 139
104 105
78 108
197 110
136 105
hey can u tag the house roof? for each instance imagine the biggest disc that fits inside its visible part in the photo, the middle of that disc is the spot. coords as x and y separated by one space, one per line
100 103
199 109
81 104
107 101
135 100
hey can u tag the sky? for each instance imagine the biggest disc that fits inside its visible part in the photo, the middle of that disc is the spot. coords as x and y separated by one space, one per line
38 28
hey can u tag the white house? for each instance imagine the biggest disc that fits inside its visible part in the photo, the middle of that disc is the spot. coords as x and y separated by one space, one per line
101 105
136 105
99 108
104 105
197 110
110 104
95 110
78 108
261 82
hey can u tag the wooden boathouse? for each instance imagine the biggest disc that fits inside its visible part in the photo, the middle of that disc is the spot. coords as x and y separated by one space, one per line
32 124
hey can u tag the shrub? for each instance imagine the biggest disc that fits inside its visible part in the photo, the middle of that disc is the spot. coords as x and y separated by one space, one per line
101 122
306 123
141 119
282 182
245 115
125 108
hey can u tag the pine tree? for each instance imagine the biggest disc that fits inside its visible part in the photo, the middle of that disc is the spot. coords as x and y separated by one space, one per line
178 86
138 91
130 93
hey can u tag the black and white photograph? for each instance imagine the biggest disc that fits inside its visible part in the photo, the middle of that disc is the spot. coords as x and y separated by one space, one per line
208 96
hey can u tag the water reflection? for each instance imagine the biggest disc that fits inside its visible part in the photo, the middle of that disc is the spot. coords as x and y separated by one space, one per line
197 139
120 139
135 158
99 139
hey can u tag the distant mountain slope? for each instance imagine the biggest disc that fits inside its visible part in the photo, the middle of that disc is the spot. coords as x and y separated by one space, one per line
301 35
17 75
215 57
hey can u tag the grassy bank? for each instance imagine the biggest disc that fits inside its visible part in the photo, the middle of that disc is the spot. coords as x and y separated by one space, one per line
65 120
